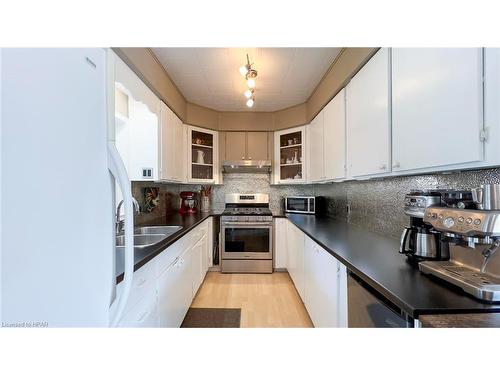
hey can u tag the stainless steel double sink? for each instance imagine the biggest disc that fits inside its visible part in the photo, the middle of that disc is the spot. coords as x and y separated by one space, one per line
148 236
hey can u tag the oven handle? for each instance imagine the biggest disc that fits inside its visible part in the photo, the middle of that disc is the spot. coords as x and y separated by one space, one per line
246 224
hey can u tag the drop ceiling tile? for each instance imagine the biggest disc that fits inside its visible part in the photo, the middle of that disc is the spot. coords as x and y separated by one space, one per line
210 76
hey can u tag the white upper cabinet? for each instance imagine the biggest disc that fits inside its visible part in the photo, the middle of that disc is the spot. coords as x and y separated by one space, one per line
326 142
203 155
137 124
290 151
173 150
334 147
368 118
315 139
437 104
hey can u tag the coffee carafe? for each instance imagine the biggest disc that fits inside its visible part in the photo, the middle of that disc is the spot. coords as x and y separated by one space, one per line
420 241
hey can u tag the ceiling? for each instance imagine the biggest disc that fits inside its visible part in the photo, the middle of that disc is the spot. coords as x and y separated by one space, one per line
210 76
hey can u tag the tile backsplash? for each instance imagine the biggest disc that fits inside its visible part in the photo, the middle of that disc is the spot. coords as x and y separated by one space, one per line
378 204
375 204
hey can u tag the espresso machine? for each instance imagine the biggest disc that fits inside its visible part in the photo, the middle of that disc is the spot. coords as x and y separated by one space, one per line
473 235
420 241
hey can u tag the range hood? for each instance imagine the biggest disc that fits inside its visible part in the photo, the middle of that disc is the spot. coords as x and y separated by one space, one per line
246 166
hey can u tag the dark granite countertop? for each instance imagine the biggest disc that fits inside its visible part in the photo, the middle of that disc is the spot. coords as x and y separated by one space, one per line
375 259
141 257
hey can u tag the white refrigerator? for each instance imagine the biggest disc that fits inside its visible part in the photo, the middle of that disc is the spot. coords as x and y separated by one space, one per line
59 167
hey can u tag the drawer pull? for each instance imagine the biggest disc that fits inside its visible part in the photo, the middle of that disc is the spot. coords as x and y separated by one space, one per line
141 282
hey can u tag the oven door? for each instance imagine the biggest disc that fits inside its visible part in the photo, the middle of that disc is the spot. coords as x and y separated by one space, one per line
247 240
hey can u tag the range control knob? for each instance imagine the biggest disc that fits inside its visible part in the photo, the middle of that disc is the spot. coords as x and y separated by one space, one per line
448 222
469 220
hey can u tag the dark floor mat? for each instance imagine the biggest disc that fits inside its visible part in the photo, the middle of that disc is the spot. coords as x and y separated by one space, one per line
212 318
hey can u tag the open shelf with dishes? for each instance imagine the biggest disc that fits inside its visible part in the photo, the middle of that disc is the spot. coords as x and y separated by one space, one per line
203 155
289 153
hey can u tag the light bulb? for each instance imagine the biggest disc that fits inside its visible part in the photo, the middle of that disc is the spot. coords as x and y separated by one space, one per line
250 103
251 83
248 94
243 70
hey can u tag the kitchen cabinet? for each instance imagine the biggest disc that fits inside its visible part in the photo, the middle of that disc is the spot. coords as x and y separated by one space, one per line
315 140
175 291
326 142
342 298
202 155
334 138
163 289
257 146
137 124
437 107
295 265
280 243
368 118
235 146
210 243
199 263
172 146
289 155
322 285
144 314
246 146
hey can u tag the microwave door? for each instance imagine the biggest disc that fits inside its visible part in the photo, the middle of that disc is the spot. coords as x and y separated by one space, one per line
298 205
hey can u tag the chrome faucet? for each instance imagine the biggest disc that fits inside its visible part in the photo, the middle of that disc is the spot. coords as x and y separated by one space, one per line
119 222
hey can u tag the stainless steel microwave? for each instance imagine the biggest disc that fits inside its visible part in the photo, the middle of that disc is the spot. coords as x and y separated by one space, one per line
304 205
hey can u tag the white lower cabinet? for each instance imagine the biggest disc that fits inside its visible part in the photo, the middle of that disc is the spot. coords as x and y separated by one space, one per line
198 267
295 241
163 289
144 314
280 244
320 279
323 282
175 291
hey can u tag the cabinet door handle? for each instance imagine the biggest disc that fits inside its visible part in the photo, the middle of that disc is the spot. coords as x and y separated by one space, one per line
383 167
141 282
249 158
396 165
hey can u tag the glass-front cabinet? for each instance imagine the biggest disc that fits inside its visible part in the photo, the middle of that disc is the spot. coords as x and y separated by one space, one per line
289 164
203 155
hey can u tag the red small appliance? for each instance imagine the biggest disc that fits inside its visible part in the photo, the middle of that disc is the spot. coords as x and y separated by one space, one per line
188 202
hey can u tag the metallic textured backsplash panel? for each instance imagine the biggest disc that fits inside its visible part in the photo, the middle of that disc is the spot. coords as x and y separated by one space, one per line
378 204
374 204
233 183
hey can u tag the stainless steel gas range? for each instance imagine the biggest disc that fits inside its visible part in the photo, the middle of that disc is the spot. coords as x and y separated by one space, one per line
247 234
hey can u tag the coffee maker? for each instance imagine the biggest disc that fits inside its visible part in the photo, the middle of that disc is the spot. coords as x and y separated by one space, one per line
420 241
473 234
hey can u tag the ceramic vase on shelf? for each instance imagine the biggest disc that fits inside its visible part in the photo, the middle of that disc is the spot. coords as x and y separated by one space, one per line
200 158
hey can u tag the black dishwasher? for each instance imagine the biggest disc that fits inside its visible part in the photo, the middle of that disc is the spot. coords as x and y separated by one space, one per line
367 308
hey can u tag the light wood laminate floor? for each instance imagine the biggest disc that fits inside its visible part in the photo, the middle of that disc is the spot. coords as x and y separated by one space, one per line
266 300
